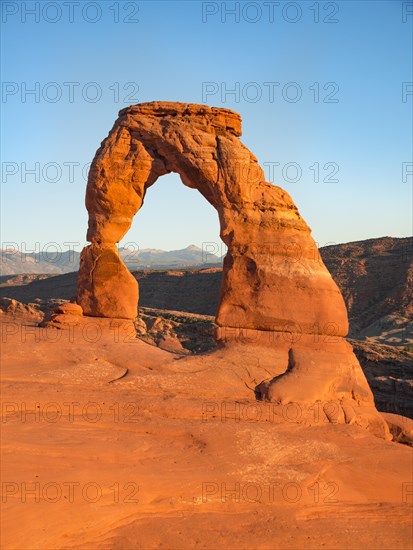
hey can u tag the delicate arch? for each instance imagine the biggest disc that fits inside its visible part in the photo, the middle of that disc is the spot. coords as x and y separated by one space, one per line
275 290
273 275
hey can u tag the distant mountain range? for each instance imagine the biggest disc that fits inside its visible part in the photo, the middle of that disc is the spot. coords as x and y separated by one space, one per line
15 263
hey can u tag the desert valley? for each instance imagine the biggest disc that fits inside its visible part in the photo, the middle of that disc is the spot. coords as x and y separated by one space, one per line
226 409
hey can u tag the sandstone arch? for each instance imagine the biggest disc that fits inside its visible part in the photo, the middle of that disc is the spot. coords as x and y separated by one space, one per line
276 290
272 263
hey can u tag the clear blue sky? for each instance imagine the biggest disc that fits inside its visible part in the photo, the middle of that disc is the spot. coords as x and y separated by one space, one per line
168 51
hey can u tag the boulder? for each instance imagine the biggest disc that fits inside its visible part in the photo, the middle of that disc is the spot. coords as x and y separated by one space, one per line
13 308
106 286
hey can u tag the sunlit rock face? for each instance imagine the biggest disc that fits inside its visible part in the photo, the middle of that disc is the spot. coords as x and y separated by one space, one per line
273 278
276 291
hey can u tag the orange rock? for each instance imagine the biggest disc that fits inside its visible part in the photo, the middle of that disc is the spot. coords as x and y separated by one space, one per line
69 308
105 286
273 273
274 280
14 308
64 316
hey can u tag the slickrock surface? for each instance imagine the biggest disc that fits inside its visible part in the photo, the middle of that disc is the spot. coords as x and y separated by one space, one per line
111 443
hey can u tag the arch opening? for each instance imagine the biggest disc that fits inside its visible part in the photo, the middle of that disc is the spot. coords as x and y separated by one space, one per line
175 255
173 216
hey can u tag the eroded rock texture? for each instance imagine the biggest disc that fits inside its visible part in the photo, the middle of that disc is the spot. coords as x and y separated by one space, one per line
274 281
273 274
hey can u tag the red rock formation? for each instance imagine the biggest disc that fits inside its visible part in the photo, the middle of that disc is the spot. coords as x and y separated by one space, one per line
64 316
273 274
106 288
274 281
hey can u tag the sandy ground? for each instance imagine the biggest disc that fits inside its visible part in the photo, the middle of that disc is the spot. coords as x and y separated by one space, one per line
108 442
